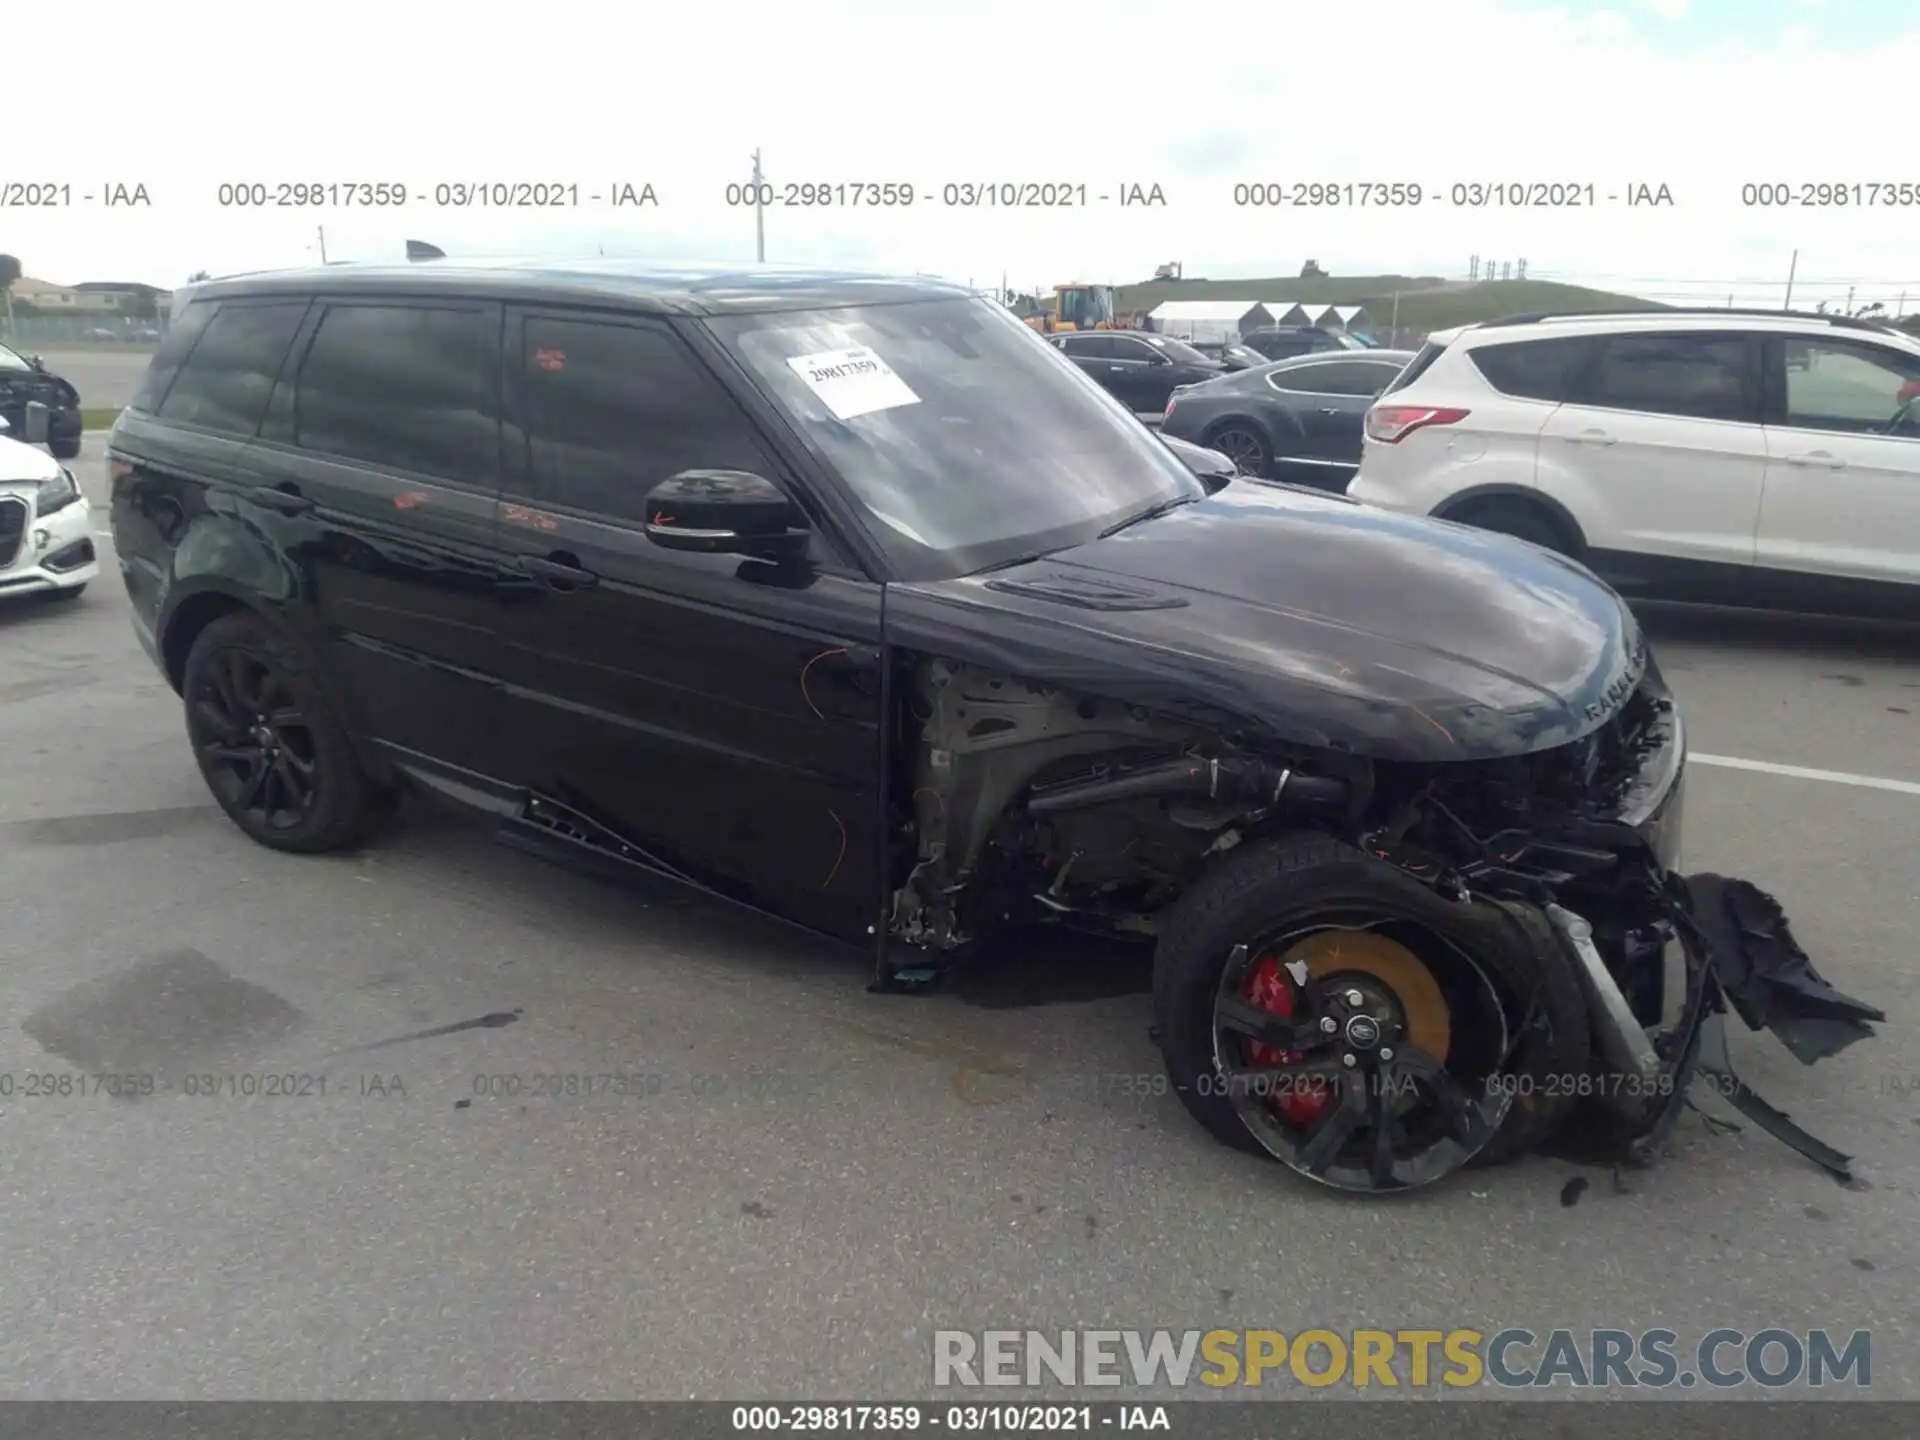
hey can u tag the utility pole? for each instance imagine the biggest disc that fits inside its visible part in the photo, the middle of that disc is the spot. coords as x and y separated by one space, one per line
323 244
1850 300
1394 324
759 213
1793 266
1901 308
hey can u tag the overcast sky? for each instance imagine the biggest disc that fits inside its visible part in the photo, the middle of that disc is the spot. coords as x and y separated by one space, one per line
1702 96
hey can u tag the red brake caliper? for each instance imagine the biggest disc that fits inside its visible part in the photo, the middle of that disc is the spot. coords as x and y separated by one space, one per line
1271 988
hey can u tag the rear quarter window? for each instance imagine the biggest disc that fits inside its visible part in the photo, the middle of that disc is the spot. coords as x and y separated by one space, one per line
1533 369
228 376
1418 366
185 331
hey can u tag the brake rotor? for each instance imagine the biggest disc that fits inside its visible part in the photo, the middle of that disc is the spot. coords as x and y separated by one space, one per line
1401 986
1403 974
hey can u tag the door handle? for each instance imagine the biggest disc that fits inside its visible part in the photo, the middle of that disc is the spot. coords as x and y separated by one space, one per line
286 499
1590 437
1116 369
561 571
1818 460
1331 410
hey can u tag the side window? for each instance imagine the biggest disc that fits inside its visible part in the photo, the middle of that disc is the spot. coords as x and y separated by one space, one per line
1532 369
1418 366
1095 347
1078 346
613 409
1705 377
1138 351
229 375
1334 377
403 386
1861 389
182 335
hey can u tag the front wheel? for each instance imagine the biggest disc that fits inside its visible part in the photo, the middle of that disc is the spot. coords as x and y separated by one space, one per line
1328 1010
273 753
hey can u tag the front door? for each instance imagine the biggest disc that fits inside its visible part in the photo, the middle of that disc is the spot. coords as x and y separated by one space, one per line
720 711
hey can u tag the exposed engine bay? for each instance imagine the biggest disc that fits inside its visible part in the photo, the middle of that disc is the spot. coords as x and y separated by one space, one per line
1375 972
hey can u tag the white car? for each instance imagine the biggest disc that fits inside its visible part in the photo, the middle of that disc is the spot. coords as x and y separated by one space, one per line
46 525
1723 456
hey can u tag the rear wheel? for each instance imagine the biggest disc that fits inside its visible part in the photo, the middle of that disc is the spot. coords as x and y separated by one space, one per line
1328 1010
1520 519
1243 445
269 746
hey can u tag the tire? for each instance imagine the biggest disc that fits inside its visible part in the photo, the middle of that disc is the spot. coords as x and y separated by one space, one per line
1521 520
294 783
1263 887
1250 452
65 449
72 592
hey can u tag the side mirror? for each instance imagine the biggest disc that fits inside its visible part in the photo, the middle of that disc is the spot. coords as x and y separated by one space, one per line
36 362
37 417
725 512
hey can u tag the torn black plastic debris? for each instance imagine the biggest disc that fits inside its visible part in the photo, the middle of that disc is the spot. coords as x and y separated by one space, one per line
1767 976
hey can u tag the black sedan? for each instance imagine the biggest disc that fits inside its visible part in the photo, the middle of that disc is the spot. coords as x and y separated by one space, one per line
1296 419
1138 368
1231 354
24 379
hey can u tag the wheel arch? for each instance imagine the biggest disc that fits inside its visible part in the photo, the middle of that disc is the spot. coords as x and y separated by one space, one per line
1505 492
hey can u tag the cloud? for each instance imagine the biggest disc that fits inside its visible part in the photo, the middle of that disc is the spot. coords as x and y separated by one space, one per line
1667 9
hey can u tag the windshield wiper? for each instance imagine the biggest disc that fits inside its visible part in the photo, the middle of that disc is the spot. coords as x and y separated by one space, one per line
1150 513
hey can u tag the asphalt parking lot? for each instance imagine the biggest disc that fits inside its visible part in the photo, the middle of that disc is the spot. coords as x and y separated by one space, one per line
811 1179
105 376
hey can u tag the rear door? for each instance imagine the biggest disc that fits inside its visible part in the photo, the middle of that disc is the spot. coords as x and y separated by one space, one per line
383 445
1658 452
723 712
1332 398
1840 520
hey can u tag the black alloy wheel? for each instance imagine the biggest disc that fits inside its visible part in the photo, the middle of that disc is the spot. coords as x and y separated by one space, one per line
271 751
1243 445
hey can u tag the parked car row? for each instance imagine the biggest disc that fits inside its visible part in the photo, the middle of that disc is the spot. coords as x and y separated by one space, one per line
1741 458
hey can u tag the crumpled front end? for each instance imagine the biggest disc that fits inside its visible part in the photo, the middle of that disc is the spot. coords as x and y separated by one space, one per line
1589 836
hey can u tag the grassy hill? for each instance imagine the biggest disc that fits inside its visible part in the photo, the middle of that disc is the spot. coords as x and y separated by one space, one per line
1426 303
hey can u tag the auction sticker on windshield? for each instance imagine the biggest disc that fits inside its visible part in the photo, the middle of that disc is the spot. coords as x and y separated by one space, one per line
853 382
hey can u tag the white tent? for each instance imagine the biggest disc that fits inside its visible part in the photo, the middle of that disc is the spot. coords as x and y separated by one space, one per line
1328 317
1215 320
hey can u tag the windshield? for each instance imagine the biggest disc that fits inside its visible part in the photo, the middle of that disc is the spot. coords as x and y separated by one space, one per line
968 437
11 361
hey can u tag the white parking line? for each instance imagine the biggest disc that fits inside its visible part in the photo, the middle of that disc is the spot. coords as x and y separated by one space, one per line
1801 772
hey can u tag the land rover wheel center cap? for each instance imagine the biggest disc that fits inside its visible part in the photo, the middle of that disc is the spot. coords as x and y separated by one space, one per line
1363 1032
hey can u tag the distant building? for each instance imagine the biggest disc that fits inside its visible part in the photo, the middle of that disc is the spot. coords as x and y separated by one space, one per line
1327 317
1206 320
91 297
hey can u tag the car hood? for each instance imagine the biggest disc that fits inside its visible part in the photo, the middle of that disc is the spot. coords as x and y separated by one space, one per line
1321 621
24 464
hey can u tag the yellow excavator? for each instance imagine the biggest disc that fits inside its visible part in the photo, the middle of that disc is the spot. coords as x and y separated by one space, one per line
1077 307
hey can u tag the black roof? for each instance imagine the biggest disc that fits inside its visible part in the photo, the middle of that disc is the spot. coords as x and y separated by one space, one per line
681 289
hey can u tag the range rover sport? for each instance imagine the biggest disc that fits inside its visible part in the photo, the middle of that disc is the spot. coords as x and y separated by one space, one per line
851 600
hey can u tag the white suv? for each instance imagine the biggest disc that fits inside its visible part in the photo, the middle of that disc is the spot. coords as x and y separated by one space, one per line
1726 456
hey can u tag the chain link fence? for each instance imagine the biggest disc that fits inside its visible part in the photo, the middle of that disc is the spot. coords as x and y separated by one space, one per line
29 331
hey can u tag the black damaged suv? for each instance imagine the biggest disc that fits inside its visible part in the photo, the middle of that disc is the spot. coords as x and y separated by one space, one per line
850 599
24 380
